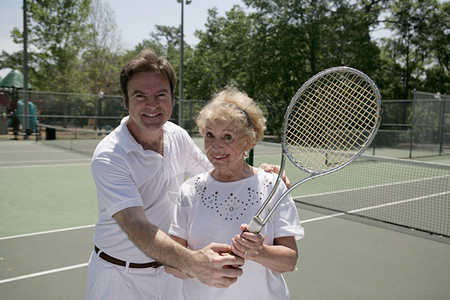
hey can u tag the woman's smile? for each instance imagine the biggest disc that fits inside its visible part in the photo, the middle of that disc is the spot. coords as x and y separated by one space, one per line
220 156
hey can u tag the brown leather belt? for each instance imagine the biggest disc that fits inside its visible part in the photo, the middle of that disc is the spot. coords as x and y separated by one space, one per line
116 261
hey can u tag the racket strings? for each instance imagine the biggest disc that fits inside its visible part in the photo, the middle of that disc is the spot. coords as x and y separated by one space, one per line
357 89
331 121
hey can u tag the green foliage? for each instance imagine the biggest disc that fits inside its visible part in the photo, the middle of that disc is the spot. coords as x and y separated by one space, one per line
100 58
419 41
57 31
268 51
271 51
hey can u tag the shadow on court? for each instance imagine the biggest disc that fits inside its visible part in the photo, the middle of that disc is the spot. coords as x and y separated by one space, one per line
48 208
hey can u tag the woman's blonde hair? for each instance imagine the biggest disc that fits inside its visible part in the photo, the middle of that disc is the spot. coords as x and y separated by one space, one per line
236 109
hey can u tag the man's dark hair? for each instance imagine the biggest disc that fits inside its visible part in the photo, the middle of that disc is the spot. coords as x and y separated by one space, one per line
146 61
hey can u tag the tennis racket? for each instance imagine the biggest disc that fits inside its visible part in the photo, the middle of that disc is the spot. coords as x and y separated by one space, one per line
329 122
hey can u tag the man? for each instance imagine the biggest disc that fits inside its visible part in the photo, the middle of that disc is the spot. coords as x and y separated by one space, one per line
138 169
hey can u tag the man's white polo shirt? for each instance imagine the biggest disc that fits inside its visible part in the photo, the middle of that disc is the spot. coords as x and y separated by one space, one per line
128 176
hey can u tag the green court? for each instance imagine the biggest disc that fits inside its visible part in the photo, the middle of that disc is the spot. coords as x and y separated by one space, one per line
48 210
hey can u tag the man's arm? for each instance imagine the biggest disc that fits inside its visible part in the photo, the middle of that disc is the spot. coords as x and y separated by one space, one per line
207 264
174 271
276 169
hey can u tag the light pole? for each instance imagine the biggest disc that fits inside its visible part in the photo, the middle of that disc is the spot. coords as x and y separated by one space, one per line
180 106
26 95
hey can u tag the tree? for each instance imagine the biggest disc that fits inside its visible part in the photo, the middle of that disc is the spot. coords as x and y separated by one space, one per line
100 63
437 74
56 37
349 38
415 27
13 61
165 41
221 57
293 40
278 58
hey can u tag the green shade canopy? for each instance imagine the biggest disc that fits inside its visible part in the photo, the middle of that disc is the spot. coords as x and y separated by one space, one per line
14 79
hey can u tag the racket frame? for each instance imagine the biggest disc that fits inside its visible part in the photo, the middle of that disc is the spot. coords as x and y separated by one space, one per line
257 223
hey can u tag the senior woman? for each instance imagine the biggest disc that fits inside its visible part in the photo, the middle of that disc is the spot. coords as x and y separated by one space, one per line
214 206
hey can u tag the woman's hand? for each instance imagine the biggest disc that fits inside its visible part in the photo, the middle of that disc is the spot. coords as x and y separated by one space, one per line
281 256
247 245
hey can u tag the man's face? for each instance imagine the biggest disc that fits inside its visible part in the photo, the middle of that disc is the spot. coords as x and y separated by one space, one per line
150 103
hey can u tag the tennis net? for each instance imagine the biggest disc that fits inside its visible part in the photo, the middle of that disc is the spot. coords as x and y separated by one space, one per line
71 138
407 194
403 193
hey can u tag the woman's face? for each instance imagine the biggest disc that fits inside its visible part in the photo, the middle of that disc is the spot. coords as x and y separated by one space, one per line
224 147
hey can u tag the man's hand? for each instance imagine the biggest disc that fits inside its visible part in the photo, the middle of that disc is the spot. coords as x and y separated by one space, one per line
276 169
214 266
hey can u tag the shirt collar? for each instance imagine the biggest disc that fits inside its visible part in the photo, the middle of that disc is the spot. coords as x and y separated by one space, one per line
127 142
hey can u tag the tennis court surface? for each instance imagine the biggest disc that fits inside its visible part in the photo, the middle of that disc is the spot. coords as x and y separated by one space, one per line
48 209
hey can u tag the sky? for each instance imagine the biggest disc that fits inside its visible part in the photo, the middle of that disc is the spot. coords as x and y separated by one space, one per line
135 19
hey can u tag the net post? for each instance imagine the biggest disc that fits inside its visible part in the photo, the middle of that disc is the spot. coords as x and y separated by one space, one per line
249 159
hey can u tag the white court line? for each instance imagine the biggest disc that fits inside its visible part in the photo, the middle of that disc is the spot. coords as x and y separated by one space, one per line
44 273
29 151
322 218
48 271
303 222
41 166
376 206
44 160
372 187
45 232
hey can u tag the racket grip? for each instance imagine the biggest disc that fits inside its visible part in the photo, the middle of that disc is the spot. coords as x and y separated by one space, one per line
256 224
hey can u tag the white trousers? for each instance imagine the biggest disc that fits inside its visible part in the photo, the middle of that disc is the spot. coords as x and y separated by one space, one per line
106 281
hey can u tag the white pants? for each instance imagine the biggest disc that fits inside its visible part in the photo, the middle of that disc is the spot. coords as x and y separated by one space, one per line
106 281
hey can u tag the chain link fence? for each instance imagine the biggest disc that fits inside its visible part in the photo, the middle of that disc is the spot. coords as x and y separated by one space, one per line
409 128
90 111
414 128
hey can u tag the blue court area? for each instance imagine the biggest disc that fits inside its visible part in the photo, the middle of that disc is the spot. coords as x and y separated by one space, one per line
48 208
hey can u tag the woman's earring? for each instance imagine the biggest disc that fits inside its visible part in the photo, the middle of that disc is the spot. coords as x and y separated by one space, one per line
246 153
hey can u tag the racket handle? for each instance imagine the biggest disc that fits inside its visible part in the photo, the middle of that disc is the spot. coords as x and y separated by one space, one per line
256 224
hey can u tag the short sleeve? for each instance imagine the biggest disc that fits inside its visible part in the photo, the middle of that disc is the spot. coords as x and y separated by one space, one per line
285 218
